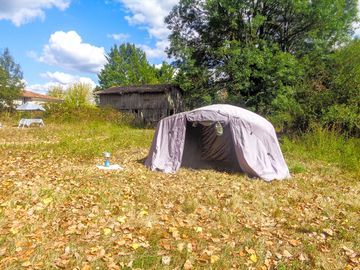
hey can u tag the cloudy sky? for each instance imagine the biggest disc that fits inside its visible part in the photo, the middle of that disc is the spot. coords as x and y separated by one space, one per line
62 41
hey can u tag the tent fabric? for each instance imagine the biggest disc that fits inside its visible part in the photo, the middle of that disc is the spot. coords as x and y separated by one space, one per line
248 143
30 107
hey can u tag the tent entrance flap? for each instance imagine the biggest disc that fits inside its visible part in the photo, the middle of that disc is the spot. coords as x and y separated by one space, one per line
205 148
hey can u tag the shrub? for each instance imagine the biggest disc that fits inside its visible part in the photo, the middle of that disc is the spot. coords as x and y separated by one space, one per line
56 112
328 145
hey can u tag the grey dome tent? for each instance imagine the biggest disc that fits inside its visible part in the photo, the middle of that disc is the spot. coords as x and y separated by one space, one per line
218 136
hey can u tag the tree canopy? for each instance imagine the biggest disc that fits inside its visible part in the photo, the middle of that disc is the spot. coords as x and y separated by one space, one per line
255 54
128 65
10 79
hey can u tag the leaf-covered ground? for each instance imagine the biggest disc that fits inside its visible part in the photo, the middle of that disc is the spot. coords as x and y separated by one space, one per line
58 211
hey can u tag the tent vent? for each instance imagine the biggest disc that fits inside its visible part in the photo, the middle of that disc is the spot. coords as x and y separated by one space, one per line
219 129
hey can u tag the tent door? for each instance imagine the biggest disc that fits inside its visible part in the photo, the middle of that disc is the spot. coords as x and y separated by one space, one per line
204 149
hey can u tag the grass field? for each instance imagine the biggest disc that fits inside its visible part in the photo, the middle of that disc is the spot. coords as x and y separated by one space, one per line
58 211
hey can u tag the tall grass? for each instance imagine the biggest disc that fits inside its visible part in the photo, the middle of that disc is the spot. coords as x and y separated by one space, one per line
326 145
66 114
99 136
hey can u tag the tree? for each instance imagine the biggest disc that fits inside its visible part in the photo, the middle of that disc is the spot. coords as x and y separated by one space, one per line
57 91
126 65
10 79
165 74
252 50
78 95
333 96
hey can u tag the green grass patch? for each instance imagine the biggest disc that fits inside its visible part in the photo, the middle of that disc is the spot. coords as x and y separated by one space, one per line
324 145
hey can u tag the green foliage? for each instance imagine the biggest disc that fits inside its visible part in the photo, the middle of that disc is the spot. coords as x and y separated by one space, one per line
330 92
126 65
77 105
57 91
76 97
10 80
165 74
343 116
60 113
345 90
326 145
288 60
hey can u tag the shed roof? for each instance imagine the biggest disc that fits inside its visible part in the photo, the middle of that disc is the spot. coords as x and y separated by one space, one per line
148 88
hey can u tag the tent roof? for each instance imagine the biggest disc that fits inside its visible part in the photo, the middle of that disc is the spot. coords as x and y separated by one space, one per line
227 111
30 107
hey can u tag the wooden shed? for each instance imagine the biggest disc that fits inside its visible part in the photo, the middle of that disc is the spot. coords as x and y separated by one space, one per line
150 103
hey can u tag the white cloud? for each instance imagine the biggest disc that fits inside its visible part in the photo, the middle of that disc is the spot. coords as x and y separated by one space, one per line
151 14
357 25
157 52
136 19
41 88
119 36
66 79
158 66
24 11
67 50
58 79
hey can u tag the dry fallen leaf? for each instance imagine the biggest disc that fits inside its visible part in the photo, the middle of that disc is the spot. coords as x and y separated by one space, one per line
287 254
135 246
14 230
180 247
189 247
303 257
214 259
86 267
165 260
294 242
26 264
2 251
47 200
253 258
143 213
329 232
121 219
188 265
107 231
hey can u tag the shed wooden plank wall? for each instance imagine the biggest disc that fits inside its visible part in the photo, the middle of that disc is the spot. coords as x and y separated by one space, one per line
148 107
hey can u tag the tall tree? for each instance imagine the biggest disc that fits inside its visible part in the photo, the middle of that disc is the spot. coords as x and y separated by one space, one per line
251 48
10 79
126 65
165 74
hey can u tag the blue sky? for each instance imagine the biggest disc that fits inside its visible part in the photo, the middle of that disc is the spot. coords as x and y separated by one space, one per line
64 41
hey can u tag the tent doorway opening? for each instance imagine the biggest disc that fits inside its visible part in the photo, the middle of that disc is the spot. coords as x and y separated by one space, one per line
207 148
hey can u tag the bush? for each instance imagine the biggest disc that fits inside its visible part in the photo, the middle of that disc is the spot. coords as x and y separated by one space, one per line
343 117
56 112
328 145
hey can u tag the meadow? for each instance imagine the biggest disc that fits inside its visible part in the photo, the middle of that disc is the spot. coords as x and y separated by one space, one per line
58 211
